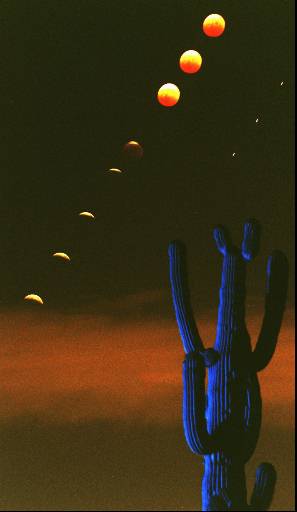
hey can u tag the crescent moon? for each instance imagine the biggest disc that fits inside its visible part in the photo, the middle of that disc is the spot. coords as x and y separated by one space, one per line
62 255
34 298
87 214
115 169
133 149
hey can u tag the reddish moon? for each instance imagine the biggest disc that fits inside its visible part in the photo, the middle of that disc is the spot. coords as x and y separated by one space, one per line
214 25
133 149
190 61
168 95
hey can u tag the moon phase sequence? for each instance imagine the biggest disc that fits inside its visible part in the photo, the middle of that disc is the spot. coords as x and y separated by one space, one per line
168 95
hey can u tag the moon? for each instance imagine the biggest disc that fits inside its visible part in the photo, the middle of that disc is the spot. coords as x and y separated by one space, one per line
62 255
190 61
87 214
214 25
34 298
168 95
115 169
133 149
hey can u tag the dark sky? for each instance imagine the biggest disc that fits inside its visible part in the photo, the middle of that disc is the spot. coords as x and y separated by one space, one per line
78 80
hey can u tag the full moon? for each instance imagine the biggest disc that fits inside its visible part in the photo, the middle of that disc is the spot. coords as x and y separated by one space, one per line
168 95
190 61
214 25
62 255
34 298
133 149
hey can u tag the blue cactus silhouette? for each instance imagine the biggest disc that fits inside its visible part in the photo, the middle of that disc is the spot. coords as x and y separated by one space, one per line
223 424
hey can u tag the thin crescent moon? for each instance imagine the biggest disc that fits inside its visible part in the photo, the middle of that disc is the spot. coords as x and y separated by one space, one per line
62 255
87 214
34 298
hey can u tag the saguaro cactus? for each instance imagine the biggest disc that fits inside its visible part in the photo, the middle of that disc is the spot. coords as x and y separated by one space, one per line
223 424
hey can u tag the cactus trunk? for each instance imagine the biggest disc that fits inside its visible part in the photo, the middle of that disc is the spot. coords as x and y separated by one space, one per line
223 477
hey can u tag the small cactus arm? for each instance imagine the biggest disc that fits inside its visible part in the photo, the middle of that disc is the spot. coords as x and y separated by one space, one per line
223 424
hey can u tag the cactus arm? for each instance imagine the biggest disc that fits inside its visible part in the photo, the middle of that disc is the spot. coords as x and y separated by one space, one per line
264 487
251 239
252 417
276 293
194 421
181 299
222 239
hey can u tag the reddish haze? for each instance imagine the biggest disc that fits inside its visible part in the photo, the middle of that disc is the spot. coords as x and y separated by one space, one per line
90 409
82 367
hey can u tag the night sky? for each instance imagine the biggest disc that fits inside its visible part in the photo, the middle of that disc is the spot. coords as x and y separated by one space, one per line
91 403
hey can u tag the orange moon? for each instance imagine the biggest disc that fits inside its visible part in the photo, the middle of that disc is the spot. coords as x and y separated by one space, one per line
190 61
34 298
62 255
133 149
168 95
214 25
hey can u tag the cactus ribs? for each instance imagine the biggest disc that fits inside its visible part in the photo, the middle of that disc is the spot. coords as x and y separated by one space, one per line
224 424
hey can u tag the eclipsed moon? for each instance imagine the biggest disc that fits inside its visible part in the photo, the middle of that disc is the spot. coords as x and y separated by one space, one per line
133 149
87 214
34 298
168 95
115 170
190 61
214 25
61 255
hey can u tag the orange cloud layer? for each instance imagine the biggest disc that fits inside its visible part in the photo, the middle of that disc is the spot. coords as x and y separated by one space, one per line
82 367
